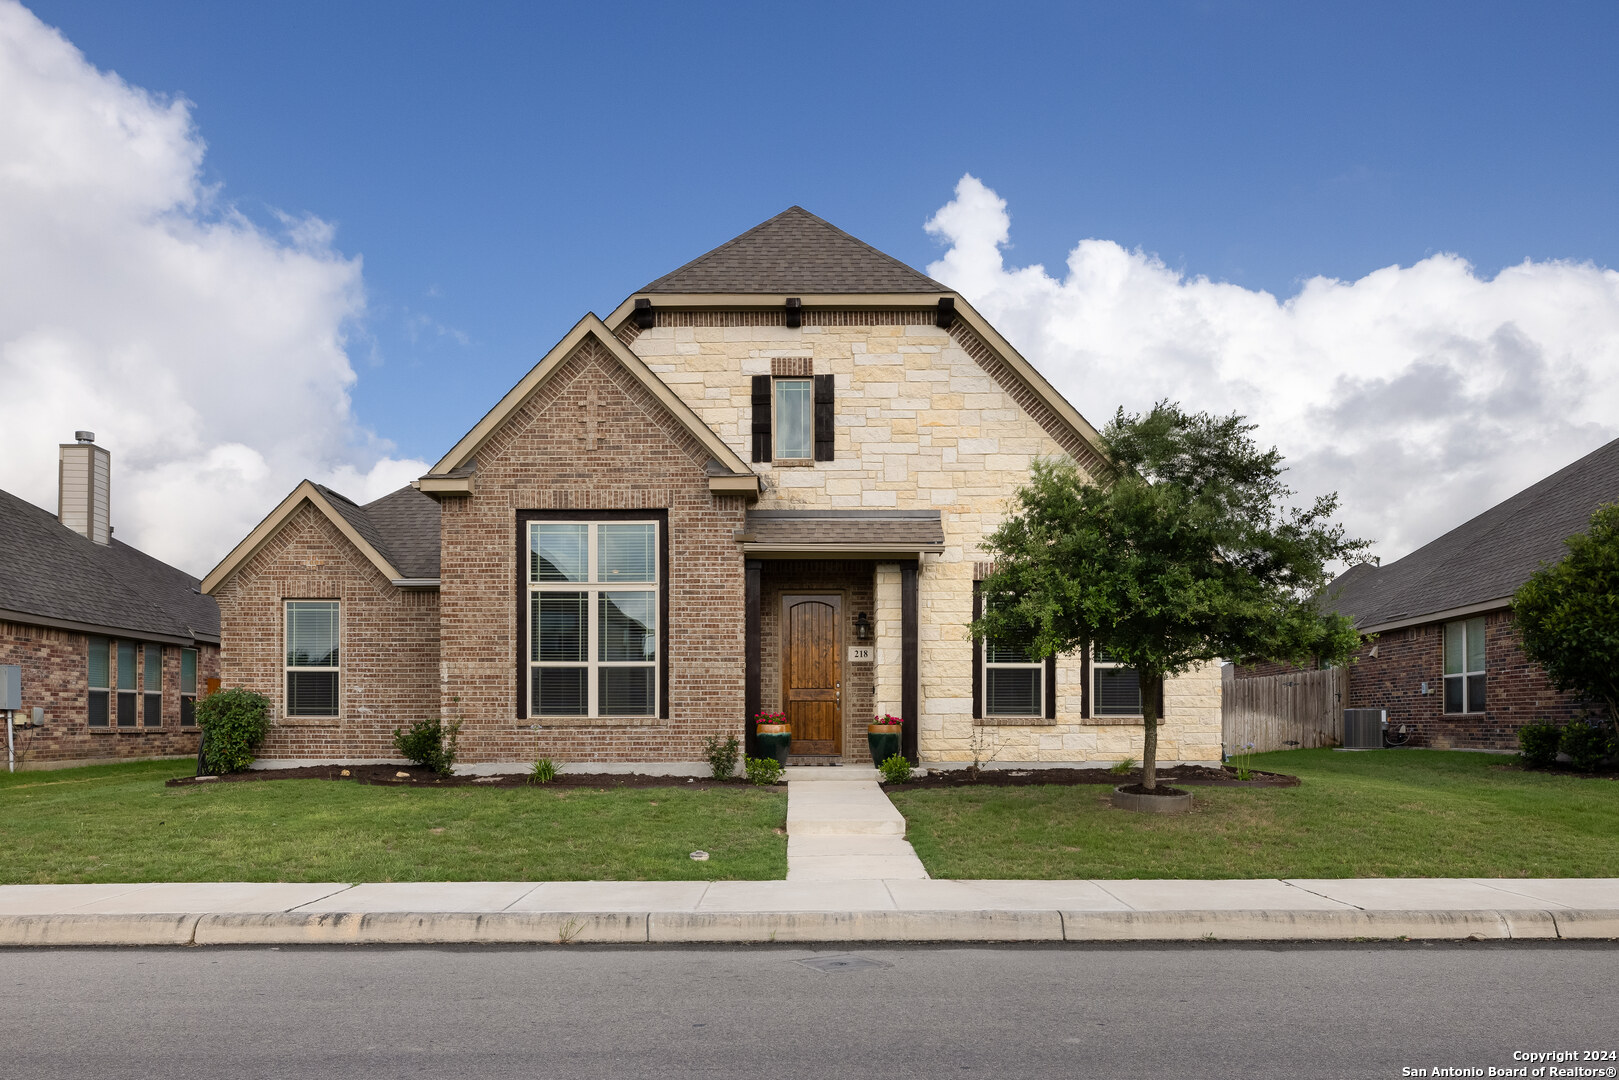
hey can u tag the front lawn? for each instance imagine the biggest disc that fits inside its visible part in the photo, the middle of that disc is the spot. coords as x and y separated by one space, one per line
1397 813
119 823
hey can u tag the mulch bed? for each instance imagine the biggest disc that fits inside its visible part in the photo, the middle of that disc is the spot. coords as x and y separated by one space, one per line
1200 775
415 776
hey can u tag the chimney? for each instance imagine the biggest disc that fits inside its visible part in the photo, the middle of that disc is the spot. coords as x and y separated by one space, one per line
84 492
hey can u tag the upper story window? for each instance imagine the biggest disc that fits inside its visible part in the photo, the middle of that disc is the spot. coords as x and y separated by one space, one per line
593 618
795 419
312 657
1464 666
1117 689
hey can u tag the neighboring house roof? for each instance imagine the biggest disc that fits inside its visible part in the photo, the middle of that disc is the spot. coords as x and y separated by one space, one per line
1480 564
795 252
398 533
843 531
454 464
52 576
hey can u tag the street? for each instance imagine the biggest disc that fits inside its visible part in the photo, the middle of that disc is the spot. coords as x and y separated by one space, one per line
1205 1011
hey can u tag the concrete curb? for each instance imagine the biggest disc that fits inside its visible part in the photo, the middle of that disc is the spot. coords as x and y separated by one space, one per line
804 927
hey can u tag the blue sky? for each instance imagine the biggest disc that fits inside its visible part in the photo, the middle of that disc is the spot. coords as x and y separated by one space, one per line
503 167
249 244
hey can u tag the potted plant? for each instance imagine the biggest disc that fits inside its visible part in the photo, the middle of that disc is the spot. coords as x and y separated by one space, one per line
774 736
882 735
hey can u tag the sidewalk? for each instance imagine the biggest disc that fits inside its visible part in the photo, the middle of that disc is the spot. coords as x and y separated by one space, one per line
904 909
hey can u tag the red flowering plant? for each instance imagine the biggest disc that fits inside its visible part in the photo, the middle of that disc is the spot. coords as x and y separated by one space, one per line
770 718
887 719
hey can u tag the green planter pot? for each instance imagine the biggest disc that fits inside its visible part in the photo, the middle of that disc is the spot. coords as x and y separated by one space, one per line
774 741
883 740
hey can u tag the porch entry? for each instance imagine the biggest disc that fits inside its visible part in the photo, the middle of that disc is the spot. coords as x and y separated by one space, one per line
812 671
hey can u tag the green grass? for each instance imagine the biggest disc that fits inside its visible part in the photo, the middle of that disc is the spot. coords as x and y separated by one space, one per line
1414 813
119 823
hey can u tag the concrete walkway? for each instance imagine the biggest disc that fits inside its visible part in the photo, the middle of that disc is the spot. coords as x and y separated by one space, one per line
905 909
841 827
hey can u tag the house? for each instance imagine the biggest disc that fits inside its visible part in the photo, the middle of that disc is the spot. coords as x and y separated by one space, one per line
760 484
113 644
1442 654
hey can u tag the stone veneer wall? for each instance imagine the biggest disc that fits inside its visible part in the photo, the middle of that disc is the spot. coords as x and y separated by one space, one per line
541 459
55 676
920 424
388 642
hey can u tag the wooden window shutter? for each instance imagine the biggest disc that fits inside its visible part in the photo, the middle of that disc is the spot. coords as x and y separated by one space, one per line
823 417
978 657
1051 688
761 417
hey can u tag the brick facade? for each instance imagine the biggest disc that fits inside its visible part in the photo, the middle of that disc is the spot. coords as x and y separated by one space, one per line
55 676
1517 691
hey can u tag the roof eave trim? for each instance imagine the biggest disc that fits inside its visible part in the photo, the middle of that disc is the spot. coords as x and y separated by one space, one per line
416 583
439 486
1438 616
589 326
734 485
156 637
848 551
272 524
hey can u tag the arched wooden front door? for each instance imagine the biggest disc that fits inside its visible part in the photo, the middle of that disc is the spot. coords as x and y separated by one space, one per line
812 672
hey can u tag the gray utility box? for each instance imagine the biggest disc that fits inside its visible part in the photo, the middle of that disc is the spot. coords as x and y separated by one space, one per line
10 687
1363 728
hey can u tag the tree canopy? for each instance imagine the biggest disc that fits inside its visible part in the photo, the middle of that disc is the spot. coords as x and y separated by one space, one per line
1568 614
1187 553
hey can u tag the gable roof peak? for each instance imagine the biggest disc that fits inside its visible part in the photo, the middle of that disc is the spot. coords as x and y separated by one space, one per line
795 252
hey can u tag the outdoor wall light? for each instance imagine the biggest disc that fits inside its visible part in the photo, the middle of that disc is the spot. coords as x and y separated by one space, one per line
862 627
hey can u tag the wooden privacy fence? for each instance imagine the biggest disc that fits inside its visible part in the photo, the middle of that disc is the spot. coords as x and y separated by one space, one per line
1293 711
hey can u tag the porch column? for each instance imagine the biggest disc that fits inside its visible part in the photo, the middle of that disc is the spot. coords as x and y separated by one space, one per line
910 669
889 696
753 677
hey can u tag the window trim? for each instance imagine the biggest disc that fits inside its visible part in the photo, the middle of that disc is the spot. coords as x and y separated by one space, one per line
147 693
1099 665
287 669
526 589
1466 674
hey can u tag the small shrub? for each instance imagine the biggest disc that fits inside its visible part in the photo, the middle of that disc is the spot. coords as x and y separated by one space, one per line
543 772
763 771
1123 768
896 770
233 724
1537 744
1586 744
722 755
430 744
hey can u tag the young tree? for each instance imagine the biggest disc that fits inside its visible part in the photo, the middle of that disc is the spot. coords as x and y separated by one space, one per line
1568 614
1185 554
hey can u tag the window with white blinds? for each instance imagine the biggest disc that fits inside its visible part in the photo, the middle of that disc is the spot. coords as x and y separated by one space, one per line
312 667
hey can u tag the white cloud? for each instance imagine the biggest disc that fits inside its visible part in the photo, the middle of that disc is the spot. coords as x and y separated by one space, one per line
1422 394
208 354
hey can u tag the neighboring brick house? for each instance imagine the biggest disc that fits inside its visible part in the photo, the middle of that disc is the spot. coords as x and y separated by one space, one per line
1443 655
113 644
761 483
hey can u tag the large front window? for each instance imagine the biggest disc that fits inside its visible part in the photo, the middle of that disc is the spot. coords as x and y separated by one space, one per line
795 419
312 657
593 618
1464 666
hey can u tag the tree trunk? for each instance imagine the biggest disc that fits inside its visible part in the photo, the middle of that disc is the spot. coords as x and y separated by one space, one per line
1150 684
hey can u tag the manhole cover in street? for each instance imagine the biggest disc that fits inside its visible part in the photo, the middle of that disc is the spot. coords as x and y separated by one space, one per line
842 962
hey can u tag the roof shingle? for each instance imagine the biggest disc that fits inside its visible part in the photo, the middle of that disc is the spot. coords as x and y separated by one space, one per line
795 252
1487 558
